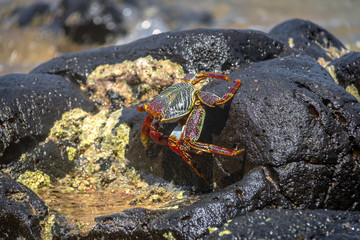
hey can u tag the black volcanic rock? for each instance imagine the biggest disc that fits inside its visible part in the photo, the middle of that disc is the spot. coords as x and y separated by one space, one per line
21 211
29 106
291 117
51 158
347 71
198 50
291 224
307 37
90 21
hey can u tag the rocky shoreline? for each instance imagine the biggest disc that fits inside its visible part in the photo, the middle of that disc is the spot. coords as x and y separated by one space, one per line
70 126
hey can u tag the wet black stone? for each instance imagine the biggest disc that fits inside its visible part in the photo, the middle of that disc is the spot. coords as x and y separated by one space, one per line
27 14
291 224
192 222
308 37
29 106
128 224
347 69
21 211
216 50
64 228
50 158
96 20
290 116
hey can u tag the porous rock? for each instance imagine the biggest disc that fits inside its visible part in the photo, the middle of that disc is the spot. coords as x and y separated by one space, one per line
51 158
29 106
128 224
217 50
291 117
191 222
308 37
291 224
347 72
21 210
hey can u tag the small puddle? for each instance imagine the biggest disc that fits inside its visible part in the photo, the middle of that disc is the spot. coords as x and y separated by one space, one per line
85 206
82 207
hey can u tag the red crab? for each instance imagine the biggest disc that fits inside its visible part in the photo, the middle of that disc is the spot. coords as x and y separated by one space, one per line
174 104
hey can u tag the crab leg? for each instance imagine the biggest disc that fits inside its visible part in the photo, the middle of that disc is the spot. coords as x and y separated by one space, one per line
184 151
150 129
145 131
156 135
183 138
211 148
195 78
192 132
211 99
186 156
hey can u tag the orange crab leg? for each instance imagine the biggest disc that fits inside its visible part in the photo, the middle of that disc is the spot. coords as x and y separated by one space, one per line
150 129
145 131
192 131
156 135
186 156
213 100
195 78
184 138
182 150
211 148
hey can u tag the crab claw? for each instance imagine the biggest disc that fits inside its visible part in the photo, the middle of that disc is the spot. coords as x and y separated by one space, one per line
141 107
145 131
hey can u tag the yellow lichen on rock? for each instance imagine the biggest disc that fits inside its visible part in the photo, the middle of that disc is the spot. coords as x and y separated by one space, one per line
69 126
291 42
96 143
130 82
72 152
350 88
331 71
34 180
101 138
47 225
353 91
223 233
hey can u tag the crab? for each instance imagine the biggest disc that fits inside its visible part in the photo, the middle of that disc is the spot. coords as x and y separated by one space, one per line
182 102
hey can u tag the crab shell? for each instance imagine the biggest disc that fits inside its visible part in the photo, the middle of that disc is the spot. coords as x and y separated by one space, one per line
173 103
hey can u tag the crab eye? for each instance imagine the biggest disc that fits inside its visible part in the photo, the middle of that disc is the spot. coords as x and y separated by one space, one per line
158 117
189 76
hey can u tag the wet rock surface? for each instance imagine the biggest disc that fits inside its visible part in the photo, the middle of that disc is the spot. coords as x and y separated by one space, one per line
21 210
51 158
291 224
299 128
29 105
309 38
90 21
195 50
347 72
313 138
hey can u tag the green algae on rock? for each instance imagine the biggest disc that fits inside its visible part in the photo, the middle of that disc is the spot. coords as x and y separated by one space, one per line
34 180
96 144
130 82
99 138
